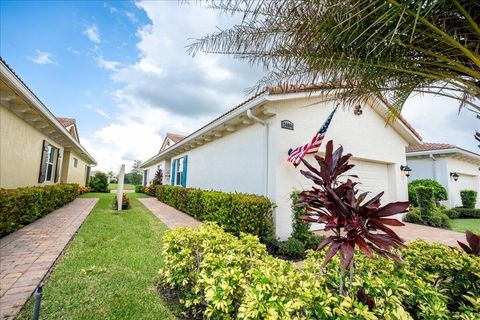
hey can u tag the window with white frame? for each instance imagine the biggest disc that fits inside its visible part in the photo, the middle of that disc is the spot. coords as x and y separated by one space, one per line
178 171
50 163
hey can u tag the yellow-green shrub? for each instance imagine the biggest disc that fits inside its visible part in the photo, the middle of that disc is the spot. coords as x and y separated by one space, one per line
220 276
235 212
21 206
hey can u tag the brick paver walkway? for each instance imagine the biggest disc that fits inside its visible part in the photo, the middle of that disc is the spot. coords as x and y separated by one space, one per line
27 255
171 217
412 231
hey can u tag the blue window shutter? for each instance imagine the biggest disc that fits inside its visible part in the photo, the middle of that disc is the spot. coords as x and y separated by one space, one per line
184 173
172 173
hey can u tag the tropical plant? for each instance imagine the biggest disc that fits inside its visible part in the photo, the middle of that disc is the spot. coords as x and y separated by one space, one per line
374 47
473 246
344 211
158 178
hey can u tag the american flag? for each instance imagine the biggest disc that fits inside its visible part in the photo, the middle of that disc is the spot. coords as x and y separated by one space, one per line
296 155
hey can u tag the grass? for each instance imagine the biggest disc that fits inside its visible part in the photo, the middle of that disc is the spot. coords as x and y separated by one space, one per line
126 186
463 225
108 271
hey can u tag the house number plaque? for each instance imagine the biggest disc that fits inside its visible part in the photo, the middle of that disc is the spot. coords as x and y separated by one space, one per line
287 124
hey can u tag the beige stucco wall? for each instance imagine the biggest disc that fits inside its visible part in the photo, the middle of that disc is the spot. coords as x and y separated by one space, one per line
78 174
20 151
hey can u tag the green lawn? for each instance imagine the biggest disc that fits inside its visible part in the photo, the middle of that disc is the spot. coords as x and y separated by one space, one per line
463 225
108 272
126 186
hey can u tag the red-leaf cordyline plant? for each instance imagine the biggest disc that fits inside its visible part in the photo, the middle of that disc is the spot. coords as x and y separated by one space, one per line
353 220
473 246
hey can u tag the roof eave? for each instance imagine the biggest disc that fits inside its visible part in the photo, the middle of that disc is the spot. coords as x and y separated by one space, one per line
40 107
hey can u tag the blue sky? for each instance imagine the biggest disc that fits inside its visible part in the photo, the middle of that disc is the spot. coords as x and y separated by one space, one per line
121 69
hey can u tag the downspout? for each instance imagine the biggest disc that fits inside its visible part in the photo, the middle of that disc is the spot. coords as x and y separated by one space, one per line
265 165
434 166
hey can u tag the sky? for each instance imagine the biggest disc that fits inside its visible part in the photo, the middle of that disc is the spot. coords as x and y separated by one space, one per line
121 69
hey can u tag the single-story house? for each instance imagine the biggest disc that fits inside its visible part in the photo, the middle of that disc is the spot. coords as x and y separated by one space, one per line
245 149
454 168
36 148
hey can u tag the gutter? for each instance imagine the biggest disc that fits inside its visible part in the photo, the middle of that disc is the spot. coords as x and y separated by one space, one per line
434 166
265 151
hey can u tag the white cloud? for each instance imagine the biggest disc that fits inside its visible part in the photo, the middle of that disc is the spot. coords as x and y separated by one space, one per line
93 33
131 16
43 58
108 64
97 110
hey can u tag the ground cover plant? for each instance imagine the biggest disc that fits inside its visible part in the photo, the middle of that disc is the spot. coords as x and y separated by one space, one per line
107 271
219 276
235 212
21 206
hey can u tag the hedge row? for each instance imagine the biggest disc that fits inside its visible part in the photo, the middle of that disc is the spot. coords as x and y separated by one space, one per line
218 276
21 206
235 212
464 213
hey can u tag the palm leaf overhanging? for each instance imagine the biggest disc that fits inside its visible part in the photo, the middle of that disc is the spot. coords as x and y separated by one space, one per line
389 47
355 221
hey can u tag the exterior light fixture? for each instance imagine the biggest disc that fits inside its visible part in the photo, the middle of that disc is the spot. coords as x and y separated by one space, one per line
454 175
406 169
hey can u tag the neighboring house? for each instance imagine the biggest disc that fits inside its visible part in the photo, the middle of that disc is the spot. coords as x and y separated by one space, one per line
454 168
245 149
36 148
149 171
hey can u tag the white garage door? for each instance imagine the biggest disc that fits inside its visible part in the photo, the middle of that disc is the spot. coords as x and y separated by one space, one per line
373 177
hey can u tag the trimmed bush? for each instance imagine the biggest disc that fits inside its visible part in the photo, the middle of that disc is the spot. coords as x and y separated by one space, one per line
293 248
439 191
469 198
219 276
465 213
139 189
21 206
99 183
426 202
452 214
235 212
413 216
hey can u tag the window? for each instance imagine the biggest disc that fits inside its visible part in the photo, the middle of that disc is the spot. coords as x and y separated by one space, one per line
75 162
50 162
179 171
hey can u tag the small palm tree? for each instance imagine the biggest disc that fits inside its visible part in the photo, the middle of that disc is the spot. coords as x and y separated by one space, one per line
389 47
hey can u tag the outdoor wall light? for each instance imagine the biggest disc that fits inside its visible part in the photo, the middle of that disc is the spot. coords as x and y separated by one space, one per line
406 169
454 175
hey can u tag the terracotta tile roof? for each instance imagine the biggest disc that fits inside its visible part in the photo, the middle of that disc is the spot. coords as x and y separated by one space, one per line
175 137
66 122
428 146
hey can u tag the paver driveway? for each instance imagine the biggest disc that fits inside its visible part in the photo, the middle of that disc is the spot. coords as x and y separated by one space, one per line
27 255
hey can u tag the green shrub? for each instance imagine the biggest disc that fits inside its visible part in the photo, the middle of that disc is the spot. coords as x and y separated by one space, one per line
272 244
440 193
453 214
469 198
21 206
235 212
413 216
313 241
139 189
466 213
426 202
439 220
292 248
219 276
301 229
99 183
